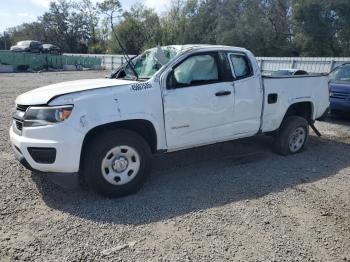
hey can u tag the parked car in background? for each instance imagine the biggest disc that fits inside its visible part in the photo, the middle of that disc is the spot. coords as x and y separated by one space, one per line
51 49
339 87
28 46
289 72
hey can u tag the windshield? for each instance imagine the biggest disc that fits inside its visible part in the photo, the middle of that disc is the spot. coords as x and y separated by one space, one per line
149 62
341 74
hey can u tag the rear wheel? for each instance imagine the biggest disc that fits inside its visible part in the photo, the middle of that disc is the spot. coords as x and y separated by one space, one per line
117 163
292 135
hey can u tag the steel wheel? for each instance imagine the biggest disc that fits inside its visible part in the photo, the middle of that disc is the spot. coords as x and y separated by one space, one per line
120 165
297 139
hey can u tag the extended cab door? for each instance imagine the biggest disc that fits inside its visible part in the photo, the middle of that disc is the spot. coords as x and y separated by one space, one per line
198 101
248 94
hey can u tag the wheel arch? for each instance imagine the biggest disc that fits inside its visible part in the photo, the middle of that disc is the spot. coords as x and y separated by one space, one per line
303 109
142 127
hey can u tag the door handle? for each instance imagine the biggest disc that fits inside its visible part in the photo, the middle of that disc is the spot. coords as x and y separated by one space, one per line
223 93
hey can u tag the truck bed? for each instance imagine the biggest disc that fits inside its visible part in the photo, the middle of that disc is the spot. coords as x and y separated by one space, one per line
289 90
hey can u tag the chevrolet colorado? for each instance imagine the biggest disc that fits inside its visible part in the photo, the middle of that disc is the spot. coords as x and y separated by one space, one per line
167 99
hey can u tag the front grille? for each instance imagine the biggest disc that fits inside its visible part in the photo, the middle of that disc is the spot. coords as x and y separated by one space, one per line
22 108
19 125
339 95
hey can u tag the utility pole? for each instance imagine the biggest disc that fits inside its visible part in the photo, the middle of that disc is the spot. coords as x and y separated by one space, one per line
5 40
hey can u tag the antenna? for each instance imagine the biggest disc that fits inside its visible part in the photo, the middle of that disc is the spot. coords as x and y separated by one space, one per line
126 56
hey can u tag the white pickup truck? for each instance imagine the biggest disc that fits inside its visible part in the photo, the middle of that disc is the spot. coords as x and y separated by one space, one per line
167 99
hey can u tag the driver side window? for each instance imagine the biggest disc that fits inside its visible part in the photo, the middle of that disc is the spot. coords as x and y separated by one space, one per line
196 70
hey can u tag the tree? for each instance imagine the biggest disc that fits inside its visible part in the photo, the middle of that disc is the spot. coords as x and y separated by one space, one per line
261 26
202 21
342 8
191 21
278 14
111 9
267 27
66 26
5 41
91 12
31 31
173 24
321 27
139 28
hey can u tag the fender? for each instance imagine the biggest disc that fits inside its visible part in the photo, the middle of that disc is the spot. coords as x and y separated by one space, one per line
300 106
272 119
112 104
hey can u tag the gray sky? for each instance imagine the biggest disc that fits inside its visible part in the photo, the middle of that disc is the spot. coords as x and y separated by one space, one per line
16 12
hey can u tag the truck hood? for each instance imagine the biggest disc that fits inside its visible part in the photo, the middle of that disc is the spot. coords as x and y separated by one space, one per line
43 95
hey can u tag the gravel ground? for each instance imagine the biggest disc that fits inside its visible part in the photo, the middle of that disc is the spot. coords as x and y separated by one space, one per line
234 201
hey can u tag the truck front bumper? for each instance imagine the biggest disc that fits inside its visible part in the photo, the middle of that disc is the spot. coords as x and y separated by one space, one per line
54 149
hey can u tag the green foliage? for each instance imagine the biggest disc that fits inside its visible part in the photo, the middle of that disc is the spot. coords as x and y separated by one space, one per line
322 27
5 41
110 7
67 27
138 29
30 31
267 27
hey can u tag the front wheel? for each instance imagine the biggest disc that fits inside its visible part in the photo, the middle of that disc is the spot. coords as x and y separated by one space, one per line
117 163
292 135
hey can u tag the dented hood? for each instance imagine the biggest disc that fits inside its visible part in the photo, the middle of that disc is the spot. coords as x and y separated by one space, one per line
43 95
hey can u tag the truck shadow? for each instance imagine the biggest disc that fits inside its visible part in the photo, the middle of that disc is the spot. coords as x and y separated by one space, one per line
340 119
203 178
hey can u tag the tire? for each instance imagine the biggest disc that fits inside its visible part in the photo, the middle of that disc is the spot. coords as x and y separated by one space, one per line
116 163
292 135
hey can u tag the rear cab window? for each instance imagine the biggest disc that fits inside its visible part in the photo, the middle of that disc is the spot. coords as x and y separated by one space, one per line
240 65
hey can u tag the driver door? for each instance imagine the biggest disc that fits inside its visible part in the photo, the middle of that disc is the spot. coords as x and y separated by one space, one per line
198 102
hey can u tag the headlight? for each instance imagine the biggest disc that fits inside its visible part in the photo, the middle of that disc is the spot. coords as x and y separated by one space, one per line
42 116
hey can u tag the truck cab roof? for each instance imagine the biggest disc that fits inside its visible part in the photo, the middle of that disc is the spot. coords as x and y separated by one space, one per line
204 46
